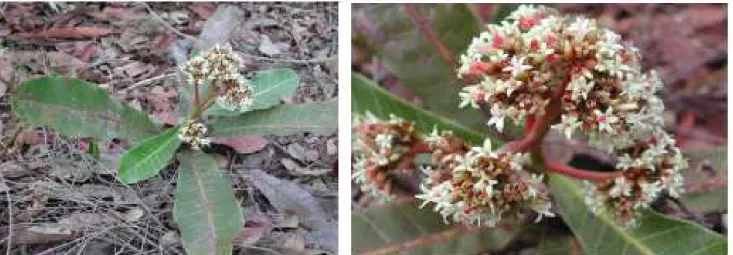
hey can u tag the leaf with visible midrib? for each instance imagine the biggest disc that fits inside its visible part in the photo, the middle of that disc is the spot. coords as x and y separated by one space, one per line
75 107
368 96
272 85
657 234
269 87
316 117
413 59
147 158
404 227
206 210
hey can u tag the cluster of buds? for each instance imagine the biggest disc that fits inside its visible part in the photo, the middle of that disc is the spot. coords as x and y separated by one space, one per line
193 134
536 55
648 169
477 185
382 148
538 62
219 67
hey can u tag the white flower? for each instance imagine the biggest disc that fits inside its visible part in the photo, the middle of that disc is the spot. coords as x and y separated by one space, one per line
620 187
567 125
435 138
580 86
239 95
471 95
497 118
605 120
193 134
581 27
516 66
384 141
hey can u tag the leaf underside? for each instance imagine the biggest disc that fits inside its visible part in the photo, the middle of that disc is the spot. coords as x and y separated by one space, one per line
657 233
316 117
147 158
386 229
413 58
77 108
206 210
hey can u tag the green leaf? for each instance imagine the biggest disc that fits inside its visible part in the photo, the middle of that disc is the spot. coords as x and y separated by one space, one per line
404 227
269 88
413 59
316 117
272 85
368 96
206 210
147 158
77 108
716 198
657 234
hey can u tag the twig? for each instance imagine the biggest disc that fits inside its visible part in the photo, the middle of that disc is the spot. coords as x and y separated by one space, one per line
146 81
293 61
10 217
161 20
427 30
12 139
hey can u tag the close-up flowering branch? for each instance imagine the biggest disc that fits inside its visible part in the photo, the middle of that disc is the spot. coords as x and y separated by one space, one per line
546 71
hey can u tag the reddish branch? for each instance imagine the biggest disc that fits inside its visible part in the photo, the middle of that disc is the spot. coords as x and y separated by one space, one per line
427 30
536 131
560 168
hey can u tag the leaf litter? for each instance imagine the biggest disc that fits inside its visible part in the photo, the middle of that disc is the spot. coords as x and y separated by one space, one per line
60 199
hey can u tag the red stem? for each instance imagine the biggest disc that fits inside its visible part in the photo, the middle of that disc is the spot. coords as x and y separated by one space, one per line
560 168
427 30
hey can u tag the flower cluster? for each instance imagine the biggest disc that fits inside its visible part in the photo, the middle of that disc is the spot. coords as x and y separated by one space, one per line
477 185
219 67
193 134
649 168
381 148
518 66
538 60
237 96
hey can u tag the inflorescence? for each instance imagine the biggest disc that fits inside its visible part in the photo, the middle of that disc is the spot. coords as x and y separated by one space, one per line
381 147
479 186
220 67
194 133
217 69
473 185
537 57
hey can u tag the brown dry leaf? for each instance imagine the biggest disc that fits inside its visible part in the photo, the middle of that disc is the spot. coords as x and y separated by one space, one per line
64 33
220 26
243 144
256 227
295 241
286 196
40 234
296 151
12 169
289 221
297 169
203 10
